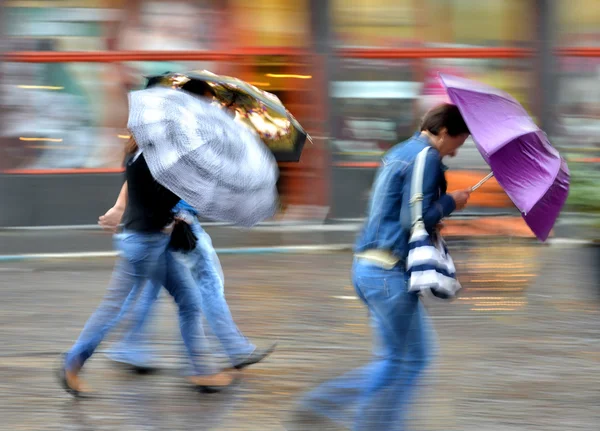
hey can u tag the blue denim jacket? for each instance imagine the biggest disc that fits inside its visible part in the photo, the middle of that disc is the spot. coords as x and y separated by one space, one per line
188 213
184 206
389 222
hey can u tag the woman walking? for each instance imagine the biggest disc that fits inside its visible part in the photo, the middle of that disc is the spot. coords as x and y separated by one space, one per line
378 393
142 246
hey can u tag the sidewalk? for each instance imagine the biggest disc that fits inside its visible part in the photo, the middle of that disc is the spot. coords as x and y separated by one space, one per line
91 239
513 356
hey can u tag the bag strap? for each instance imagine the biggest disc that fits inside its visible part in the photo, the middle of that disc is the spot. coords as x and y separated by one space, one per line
416 187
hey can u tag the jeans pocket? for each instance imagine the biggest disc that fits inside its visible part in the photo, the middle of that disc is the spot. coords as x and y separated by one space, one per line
377 282
373 286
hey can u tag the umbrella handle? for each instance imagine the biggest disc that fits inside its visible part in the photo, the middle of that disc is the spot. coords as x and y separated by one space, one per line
480 183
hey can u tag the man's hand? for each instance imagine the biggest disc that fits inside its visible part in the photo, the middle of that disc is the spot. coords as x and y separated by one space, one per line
461 197
110 221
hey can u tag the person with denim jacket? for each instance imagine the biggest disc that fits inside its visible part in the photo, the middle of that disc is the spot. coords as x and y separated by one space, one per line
377 395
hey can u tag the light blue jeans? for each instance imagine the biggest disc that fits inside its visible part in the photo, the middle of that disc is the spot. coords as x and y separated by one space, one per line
208 281
376 396
143 257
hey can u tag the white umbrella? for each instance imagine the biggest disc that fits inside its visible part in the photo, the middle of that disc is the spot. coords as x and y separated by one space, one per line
196 150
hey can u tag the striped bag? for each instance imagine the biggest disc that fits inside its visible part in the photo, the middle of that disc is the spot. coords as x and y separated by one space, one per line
430 267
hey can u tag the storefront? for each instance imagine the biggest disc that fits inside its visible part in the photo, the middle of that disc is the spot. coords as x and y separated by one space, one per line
356 73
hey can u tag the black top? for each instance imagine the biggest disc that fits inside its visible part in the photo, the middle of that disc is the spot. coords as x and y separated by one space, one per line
149 204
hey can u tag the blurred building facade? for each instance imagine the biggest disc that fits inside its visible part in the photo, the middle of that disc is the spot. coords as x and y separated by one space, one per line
357 73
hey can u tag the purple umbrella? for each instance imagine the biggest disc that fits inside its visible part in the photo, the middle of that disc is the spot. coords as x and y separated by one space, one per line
528 168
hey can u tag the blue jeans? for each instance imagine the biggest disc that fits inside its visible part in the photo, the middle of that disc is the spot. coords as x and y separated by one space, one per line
143 257
208 281
376 396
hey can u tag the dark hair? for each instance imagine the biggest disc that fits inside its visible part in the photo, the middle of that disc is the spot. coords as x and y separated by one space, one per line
197 87
447 116
194 86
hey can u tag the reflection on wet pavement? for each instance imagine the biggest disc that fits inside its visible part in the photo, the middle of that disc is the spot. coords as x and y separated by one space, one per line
519 350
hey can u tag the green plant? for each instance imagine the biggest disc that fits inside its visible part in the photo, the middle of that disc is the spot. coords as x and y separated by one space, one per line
584 195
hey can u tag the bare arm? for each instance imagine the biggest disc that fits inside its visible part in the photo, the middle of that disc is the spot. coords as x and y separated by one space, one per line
111 220
122 198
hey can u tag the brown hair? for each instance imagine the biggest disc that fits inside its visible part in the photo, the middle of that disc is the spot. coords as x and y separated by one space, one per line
445 116
131 147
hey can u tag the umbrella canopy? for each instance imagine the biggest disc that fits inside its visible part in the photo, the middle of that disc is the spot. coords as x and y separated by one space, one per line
205 157
528 168
261 110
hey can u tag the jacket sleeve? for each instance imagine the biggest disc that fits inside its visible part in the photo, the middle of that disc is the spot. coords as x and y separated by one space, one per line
434 208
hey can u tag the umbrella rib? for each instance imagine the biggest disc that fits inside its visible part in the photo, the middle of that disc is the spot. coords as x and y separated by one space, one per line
509 140
512 139
549 187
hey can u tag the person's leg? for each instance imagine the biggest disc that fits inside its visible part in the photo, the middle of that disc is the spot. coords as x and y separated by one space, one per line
338 399
133 349
421 345
208 274
369 396
181 285
206 269
403 354
140 258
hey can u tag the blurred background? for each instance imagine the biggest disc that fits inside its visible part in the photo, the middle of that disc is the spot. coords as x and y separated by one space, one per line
358 74
520 348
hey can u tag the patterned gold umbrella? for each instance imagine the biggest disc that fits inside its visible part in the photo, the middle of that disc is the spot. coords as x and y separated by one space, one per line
260 110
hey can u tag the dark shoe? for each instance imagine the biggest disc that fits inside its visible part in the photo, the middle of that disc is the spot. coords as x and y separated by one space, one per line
133 368
255 357
70 380
142 371
212 383
127 362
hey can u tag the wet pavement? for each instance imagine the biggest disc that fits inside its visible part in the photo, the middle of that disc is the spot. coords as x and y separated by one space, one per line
520 350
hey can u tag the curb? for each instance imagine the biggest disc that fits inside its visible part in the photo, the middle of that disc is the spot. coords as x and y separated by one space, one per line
291 249
220 251
569 241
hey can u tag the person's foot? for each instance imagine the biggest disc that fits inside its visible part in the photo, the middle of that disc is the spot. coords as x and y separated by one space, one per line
214 382
133 364
255 357
70 380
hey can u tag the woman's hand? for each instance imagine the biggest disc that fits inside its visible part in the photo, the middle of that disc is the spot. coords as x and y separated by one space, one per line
461 197
111 219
